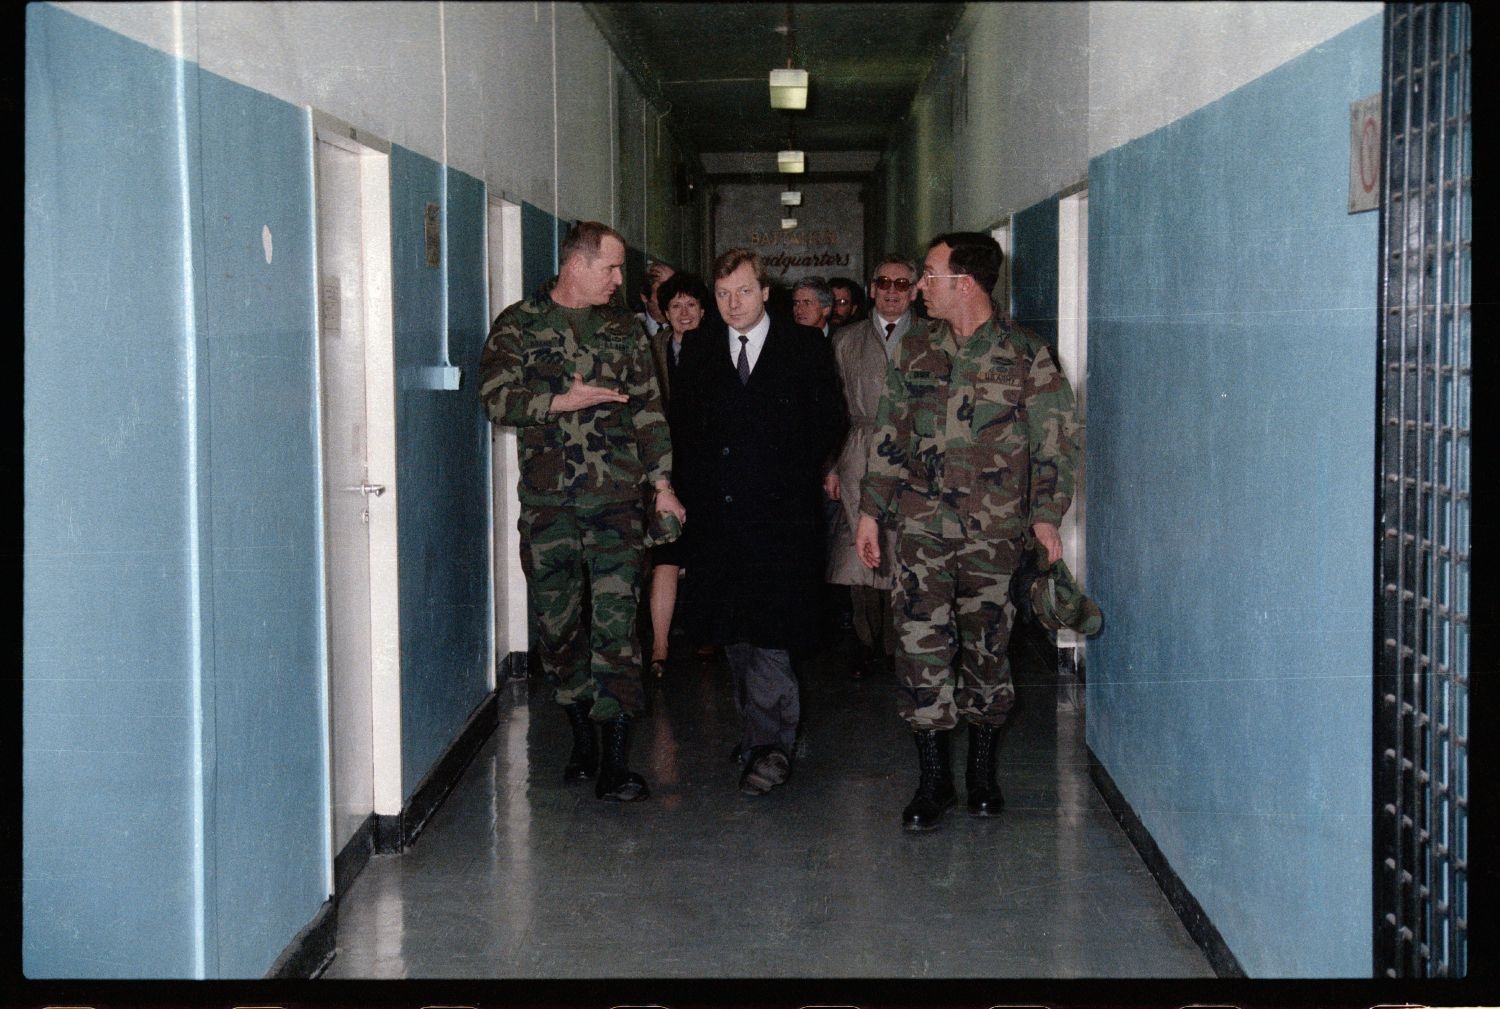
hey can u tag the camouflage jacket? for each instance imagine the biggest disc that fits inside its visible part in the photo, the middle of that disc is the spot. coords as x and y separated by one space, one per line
979 438
594 456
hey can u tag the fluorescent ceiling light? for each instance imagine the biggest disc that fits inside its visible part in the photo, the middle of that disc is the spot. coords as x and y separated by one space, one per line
789 161
788 89
791 198
788 223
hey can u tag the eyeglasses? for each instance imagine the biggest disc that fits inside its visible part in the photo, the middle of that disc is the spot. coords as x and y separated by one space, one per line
941 276
842 301
885 283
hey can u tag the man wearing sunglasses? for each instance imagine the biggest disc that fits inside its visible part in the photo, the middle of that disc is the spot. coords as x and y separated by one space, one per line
974 450
862 352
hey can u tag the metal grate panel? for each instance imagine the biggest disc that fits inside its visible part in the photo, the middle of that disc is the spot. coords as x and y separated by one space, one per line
1424 502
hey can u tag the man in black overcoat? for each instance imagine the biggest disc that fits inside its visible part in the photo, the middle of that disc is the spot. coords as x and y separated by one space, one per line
759 417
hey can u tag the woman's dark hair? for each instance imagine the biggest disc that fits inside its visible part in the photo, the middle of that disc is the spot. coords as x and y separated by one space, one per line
684 283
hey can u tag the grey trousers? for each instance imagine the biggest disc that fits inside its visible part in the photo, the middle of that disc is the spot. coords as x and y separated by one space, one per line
765 695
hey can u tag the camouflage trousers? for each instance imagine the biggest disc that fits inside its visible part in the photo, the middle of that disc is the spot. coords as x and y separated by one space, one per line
564 549
952 616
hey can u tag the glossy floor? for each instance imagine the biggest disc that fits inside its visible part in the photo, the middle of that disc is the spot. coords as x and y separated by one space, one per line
520 876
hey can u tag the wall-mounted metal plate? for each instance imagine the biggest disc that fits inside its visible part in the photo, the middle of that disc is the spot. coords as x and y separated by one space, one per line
433 227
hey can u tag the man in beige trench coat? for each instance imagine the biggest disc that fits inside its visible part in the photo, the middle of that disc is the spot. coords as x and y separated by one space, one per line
862 351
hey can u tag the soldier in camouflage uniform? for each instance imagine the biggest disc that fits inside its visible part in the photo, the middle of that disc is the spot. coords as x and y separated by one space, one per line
975 445
574 377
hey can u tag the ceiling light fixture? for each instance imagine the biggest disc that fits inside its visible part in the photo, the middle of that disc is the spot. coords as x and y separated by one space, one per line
791 198
788 223
789 85
790 162
788 89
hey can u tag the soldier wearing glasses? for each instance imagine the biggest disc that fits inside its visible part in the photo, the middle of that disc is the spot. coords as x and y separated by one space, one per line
974 448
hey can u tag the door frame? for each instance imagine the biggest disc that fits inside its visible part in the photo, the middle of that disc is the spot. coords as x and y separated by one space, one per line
1072 352
380 406
507 589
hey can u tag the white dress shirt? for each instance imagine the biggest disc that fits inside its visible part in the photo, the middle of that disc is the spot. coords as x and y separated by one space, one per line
650 323
757 334
889 340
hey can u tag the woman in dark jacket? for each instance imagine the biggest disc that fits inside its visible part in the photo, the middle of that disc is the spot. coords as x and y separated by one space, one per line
685 302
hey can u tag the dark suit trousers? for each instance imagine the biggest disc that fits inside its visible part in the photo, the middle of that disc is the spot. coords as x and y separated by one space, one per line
765 695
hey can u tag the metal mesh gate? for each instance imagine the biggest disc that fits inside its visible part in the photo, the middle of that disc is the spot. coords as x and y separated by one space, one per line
1422 608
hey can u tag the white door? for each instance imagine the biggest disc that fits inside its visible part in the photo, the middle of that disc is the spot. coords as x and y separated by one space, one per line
357 399
509 584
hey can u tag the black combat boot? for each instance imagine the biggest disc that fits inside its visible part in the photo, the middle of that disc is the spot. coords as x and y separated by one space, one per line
583 762
616 782
935 789
984 793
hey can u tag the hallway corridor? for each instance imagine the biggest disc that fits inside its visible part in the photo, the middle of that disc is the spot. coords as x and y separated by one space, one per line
520 876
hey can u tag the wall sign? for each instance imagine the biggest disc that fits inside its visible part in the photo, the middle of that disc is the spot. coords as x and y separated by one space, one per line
828 241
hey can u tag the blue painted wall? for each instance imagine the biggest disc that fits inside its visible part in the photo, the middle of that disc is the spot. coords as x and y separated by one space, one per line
267 804
108 656
168 363
442 446
1033 268
1231 481
541 233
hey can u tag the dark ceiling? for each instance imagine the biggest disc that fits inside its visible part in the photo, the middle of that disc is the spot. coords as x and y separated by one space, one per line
711 62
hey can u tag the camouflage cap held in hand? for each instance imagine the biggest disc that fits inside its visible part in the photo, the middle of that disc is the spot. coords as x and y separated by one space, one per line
1058 602
1052 598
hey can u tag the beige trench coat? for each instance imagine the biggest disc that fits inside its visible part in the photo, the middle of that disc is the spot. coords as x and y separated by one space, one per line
859 353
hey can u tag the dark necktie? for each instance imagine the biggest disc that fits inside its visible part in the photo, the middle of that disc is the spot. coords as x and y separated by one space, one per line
743 364
890 328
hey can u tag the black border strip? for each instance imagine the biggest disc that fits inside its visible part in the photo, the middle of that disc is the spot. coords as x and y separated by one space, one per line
1193 917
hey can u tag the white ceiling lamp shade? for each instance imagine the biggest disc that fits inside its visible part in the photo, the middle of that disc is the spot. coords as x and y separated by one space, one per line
788 89
790 162
791 198
788 223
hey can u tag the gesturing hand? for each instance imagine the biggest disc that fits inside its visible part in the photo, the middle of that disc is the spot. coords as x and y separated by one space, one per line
581 396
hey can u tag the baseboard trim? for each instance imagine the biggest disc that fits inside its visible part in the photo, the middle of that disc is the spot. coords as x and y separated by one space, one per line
1191 913
351 861
394 834
514 666
312 949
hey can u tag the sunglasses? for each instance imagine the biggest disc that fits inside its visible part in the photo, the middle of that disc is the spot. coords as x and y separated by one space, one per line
885 283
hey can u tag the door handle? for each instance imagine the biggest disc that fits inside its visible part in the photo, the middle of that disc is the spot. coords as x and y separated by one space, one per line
369 489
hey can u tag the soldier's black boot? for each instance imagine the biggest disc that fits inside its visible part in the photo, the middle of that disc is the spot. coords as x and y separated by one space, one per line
935 793
583 762
984 792
616 782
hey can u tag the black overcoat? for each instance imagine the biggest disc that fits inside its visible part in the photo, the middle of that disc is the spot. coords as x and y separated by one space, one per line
749 463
